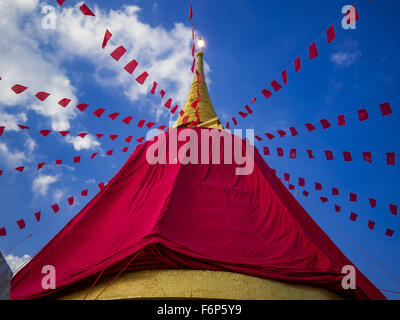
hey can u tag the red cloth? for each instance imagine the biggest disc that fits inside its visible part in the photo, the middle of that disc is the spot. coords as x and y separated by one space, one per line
335 191
325 124
323 199
37 215
141 123
58 162
70 201
297 64
305 193
45 132
150 124
393 209
310 127
266 151
243 114
371 224
82 106
99 135
248 109
353 216
276 86
168 103
2 130
389 232
234 121
22 127
302 182
113 115
330 34
390 158
60 2
128 139
279 241
329 155
110 152
118 53
347 156
193 65
64 133
293 154
352 197
113 136
131 66
385 109
82 135
18 88
40 165
162 93
84 193
125 149
362 114
3 232
279 152
21 224
64 102
367 156
310 154
281 133
99 112
286 176
372 202
93 155
77 159
55 208
312 49
153 88
337 208
318 186
107 36
341 120
270 136
190 13
266 93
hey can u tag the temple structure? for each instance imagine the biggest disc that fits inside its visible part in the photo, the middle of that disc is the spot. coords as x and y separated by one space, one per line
191 231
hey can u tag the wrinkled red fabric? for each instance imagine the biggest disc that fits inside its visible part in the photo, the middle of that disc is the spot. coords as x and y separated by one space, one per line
107 36
330 34
249 224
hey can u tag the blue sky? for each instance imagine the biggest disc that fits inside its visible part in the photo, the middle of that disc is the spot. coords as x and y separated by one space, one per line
248 44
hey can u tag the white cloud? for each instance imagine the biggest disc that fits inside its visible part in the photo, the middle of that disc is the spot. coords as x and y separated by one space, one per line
87 143
16 262
11 158
344 58
41 184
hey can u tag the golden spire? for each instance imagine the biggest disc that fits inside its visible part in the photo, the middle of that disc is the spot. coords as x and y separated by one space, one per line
205 110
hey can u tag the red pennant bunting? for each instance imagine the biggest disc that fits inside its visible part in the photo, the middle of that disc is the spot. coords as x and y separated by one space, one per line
84 193
70 201
173 110
60 2
140 140
44 132
86 11
267 94
367 157
330 34
234 121
107 36
125 149
297 64
142 78
22 127
352 197
302 182
281 133
150 124
318 186
82 106
37 216
305 193
193 49
284 76
82 135
266 151
161 128
99 135
168 103
393 209
341 120
113 116
390 158
325 124
329 155
118 53
141 123
110 152
128 139
353 216
21 224
190 13
371 224
99 112
293 131
372 202
58 162
42 95
276 86
162 93
313 51
291 187
323 199
286 176
253 100
131 66
362 114
55 208
258 138
389 232
77 159
310 154
40 165
193 65
64 133
127 120
243 114
310 127
293 153
335 191
18 88
337 208
279 152
93 155
64 102
248 109
270 136
385 109
3 232
113 137
2 130
153 89
101 186
347 156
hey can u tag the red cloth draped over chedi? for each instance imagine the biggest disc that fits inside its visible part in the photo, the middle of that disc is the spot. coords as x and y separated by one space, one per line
195 216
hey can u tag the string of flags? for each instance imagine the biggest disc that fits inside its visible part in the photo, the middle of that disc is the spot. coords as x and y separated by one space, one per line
329 155
326 123
275 86
76 159
352 216
335 192
55 208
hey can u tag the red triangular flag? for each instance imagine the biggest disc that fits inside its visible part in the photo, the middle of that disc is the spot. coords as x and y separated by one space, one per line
310 127
86 11
329 155
190 13
325 123
114 115
113 136
372 202
55 208
42 95
297 64
313 51
99 112
107 37
153 89
118 53
330 34
70 201
390 158
84 193
266 93
371 224
64 102
110 152
284 76
2 130
22 127
93 155
82 135
82 106
293 131
341 120
40 165
385 109
21 224
18 88
276 86
141 123
131 66
142 78
128 139
99 135
64 133
362 114
77 159
45 132
347 156
393 209
168 103
127 120
37 216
